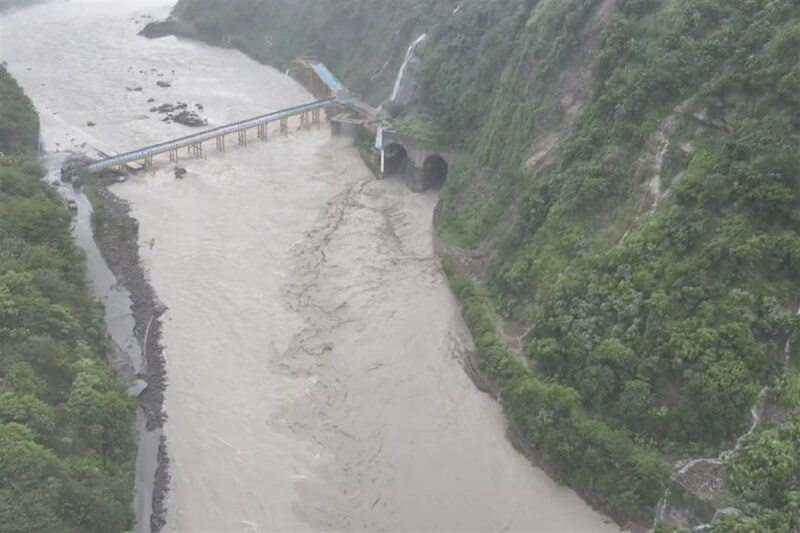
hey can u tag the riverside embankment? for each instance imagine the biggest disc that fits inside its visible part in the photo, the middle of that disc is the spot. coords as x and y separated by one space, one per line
311 345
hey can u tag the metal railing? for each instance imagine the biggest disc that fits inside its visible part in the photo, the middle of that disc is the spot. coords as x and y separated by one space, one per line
190 140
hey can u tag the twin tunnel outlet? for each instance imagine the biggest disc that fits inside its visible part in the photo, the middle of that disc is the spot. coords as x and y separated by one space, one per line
424 169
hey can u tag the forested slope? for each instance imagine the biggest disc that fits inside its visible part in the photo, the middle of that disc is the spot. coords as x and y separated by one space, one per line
67 445
627 193
366 41
655 253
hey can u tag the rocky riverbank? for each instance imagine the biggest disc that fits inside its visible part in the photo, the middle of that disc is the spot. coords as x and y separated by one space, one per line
116 235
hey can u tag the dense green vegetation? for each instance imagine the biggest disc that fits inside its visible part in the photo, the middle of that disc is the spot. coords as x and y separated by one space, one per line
606 465
632 169
763 480
66 426
363 42
421 127
19 128
667 326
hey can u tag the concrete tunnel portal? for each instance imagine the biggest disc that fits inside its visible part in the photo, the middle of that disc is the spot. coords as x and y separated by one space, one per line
397 162
422 168
434 172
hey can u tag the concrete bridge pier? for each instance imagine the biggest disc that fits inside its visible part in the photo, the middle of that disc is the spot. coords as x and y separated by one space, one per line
196 149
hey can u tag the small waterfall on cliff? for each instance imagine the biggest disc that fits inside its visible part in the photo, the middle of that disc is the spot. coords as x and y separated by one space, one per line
400 73
682 467
661 508
755 421
407 60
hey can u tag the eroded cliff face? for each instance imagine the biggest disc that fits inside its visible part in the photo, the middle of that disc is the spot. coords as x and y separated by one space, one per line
621 223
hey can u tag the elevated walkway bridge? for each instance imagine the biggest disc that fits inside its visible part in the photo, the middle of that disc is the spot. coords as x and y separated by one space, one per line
331 94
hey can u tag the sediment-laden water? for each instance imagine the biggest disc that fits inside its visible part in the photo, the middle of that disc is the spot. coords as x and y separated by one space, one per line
313 349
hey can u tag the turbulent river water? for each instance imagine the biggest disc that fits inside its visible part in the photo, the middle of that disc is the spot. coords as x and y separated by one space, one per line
313 349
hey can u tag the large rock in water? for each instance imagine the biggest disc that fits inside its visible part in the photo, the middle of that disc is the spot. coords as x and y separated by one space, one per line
170 26
154 30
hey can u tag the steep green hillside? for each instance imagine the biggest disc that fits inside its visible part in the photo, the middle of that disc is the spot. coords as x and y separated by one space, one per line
363 41
66 426
655 250
628 194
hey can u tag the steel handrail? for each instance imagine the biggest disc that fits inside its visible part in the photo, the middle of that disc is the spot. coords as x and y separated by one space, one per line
189 140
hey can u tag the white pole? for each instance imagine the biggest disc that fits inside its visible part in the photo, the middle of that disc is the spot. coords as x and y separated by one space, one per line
382 159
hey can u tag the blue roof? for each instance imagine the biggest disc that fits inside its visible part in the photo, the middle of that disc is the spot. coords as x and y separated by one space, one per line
326 76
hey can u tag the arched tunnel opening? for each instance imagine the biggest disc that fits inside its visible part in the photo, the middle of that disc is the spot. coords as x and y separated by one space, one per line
434 172
396 160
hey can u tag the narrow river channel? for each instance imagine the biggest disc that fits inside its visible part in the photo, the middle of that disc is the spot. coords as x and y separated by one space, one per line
313 349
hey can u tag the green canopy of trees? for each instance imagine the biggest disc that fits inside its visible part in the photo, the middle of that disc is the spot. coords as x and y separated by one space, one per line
67 445
664 324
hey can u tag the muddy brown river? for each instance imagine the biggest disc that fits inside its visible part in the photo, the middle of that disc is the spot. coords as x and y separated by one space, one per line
313 349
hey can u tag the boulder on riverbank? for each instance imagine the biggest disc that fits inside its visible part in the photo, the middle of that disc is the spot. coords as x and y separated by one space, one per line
136 388
155 30
170 26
